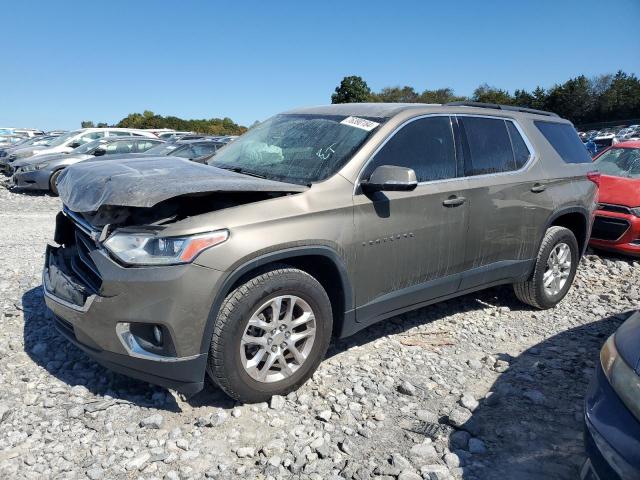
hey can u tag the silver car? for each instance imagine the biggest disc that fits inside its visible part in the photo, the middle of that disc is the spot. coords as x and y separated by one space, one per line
41 171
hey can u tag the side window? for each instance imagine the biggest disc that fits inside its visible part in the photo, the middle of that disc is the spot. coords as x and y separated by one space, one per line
487 146
90 137
143 145
119 133
521 153
119 147
565 141
425 145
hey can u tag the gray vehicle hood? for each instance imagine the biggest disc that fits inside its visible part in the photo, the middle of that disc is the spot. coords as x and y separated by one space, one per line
145 182
49 157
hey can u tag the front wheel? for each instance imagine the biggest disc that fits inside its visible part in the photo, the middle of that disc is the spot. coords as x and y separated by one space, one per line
554 271
53 182
270 335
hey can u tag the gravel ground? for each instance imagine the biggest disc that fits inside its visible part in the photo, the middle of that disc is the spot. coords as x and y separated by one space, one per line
479 387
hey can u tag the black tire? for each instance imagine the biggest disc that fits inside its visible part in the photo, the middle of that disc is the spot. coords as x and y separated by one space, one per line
532 291
224 364
53 182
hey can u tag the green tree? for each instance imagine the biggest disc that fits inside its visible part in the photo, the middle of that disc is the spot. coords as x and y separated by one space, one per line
572 100
396 95
352 89
86 124
539 99
441 95
488 94
522 98
622 99
212 126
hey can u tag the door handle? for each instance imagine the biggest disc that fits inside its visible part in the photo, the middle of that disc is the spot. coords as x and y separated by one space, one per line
538 188
454 201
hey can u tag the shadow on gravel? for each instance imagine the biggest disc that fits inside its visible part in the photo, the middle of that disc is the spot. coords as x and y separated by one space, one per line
502 296
69 364
532 424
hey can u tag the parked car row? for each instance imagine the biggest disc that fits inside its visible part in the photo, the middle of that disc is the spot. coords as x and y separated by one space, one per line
598 140
37 163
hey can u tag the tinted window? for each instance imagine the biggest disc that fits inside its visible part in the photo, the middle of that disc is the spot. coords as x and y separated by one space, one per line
119 147
487 146
144 145
520 151
90 137
425 145
565 141
119 133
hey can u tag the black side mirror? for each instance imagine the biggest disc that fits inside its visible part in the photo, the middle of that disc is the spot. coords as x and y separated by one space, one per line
98 152
389 178
74 145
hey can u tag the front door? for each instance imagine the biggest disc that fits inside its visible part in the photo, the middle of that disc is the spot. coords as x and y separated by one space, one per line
411 245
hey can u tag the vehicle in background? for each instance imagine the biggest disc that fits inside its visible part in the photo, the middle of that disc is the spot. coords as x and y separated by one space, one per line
159 131
56 133
227 138
23 132
591 146
199 151
168 135
604 138
317 222
42 171
626 134
617 223
70 140
9 139
7 153
612 408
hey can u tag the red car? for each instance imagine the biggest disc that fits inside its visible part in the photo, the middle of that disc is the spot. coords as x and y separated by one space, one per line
617 223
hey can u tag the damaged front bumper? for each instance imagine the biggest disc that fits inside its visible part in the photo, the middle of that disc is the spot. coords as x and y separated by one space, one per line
34 180
106 309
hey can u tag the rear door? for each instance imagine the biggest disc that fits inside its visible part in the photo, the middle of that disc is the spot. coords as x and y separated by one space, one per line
411 244
507 202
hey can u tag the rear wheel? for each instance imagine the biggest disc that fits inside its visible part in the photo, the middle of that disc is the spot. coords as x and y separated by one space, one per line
554 271
53 182
270 335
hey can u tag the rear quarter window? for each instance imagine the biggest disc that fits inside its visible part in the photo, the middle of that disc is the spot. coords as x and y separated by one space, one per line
565 141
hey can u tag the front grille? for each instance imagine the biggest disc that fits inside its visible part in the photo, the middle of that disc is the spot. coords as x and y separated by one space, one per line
82 264
606 207
608 228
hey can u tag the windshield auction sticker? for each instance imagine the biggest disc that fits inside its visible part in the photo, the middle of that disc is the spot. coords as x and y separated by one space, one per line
361 123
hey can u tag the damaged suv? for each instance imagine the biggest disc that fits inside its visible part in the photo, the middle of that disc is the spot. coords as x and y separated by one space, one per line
316 223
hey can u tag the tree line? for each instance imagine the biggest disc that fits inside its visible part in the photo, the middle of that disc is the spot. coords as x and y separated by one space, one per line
148 119
582 100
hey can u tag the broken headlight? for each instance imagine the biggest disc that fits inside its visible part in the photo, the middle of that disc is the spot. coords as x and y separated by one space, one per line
147 249
621 376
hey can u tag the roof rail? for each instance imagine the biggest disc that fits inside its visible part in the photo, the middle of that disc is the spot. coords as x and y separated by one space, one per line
512 108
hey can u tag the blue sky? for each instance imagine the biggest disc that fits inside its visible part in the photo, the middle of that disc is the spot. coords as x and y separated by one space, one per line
67 61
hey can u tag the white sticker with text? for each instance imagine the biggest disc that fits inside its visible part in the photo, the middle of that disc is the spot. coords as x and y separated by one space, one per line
361 123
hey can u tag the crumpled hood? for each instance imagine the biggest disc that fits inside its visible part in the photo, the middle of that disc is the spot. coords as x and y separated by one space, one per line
145 182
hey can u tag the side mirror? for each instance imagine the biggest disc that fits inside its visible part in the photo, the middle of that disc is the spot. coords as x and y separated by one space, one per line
389 178
98 152
74 144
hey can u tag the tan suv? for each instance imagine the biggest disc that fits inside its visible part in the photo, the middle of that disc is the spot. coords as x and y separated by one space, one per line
318 222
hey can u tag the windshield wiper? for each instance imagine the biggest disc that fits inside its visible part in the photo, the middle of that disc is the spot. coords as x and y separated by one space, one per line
241 171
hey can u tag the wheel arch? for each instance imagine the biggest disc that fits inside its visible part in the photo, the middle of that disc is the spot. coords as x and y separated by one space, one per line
322 262
576 219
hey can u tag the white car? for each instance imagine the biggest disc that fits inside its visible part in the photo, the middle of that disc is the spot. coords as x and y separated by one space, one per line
70 140
23 132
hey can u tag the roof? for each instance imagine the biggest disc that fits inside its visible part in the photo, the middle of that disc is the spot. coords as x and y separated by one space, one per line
388 110
381 110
